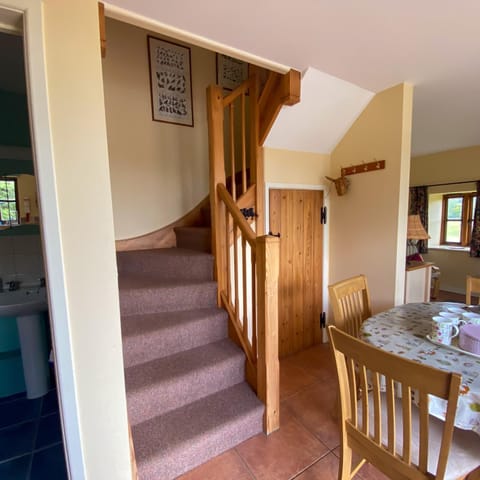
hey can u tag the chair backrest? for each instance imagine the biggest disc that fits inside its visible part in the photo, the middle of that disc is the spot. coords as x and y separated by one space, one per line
379 428
350 300
473 286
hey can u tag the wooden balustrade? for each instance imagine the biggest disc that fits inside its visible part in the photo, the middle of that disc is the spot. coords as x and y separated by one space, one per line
246 262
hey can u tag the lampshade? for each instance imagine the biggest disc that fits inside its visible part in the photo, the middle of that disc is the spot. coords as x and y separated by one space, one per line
415 230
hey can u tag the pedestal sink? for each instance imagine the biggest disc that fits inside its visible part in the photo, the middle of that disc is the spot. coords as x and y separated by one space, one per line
29 307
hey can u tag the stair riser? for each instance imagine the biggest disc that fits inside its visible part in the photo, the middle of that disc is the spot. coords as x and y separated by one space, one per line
174 337
167 267
168 299
198 239
161 398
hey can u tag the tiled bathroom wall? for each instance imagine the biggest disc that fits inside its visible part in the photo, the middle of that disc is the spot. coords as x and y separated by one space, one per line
21 259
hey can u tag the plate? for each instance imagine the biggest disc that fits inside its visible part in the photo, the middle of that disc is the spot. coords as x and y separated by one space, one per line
454 346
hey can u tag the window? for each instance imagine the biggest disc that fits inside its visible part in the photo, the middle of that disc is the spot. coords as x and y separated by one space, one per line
457 218
8 201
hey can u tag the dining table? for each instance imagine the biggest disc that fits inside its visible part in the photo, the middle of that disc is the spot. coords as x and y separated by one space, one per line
403 331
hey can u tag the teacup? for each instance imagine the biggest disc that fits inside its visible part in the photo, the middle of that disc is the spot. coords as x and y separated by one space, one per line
471 317
443 330
454 317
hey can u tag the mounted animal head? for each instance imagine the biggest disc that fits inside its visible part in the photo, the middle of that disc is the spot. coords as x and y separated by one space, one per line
341 184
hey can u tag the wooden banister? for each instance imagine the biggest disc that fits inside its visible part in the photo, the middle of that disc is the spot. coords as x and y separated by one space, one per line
246 262
268 372
235 212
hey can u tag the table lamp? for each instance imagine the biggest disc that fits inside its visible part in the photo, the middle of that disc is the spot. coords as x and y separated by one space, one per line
415 232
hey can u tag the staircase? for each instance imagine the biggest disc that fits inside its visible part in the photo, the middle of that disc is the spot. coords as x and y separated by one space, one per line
186 392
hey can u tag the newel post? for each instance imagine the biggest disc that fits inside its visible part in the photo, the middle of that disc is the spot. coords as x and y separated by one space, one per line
217 175
268 382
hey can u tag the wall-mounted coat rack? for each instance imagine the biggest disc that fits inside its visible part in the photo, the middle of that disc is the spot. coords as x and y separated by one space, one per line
364 167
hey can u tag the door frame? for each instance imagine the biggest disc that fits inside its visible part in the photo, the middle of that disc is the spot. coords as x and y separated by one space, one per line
326 238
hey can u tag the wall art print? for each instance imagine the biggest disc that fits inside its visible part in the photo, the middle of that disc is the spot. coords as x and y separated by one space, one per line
170 82
231 72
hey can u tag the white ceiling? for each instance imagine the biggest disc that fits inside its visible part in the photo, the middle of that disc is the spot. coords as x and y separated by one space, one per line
374 44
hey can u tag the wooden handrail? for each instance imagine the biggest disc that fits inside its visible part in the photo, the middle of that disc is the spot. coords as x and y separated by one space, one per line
237 215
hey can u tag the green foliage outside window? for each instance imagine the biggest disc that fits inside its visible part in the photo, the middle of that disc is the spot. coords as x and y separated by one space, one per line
8 201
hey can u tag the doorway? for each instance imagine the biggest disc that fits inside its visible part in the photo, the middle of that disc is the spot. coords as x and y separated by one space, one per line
295 215
30 425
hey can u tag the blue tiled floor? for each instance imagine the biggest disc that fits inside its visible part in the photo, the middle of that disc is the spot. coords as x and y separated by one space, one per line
31 439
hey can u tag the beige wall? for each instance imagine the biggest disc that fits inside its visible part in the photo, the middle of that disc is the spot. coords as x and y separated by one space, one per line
368 224
158 171
449 166
27 188
69 139
287 166
445 167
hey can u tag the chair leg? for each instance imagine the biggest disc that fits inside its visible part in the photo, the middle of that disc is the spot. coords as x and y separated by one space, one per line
345 467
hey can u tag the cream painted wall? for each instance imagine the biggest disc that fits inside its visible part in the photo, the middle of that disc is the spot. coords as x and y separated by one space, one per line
444 167
27 188
449 166
368 224
287 166
158 171
71 159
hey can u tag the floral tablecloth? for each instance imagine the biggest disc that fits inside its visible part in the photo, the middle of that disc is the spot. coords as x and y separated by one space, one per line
402 331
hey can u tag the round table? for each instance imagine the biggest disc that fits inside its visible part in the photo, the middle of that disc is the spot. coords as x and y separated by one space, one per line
402 331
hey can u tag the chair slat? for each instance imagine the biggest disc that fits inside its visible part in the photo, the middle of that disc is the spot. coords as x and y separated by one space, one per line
407 423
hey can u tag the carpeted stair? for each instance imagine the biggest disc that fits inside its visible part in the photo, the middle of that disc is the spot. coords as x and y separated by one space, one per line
186 395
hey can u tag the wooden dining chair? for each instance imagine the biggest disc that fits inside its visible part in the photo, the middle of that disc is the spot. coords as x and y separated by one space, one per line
391 433
350 300
473 286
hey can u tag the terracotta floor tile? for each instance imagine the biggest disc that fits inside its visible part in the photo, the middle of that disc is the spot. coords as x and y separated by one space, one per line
316 361
293 379
282 454
314 407
325 469
228 465
367 472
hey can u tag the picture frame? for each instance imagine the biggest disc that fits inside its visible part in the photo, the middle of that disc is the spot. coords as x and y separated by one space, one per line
231 72
170 82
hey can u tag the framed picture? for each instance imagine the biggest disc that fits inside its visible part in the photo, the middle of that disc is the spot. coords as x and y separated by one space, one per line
230 71
170 82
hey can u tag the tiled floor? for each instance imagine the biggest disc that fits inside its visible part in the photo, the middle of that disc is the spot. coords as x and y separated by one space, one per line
306 446
31 439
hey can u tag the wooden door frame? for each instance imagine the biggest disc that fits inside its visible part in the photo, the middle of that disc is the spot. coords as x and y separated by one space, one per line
325 247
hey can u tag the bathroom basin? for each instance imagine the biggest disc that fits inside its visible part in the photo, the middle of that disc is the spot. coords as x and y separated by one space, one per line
29 307
23 302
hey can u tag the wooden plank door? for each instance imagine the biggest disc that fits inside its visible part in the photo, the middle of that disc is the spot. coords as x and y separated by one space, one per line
295 214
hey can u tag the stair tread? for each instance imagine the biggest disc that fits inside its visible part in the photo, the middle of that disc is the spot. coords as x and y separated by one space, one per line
168 445
140 324
169 369
142 281
164 252
194 229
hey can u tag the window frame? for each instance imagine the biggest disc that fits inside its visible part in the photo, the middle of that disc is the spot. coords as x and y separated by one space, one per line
15 201
465 220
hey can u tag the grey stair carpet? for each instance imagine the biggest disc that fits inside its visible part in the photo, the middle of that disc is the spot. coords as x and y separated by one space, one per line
186 395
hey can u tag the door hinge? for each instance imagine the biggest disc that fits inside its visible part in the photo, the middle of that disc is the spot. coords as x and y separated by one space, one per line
323 215
323 320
